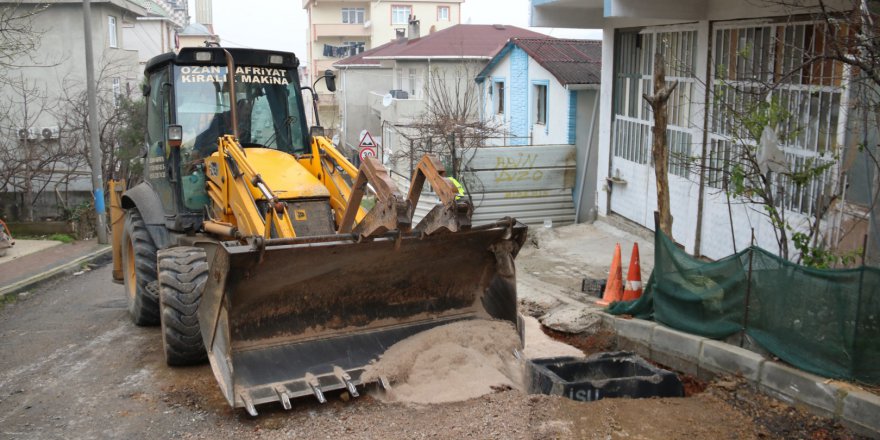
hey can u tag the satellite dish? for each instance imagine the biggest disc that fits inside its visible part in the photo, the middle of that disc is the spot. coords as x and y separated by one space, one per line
387 99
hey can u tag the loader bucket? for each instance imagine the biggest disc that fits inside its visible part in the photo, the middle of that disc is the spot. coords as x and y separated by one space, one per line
302 316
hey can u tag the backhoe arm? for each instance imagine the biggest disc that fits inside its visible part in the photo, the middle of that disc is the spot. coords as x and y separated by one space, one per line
393 210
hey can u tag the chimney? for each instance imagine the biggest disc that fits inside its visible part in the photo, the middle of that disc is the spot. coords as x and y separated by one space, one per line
413 28
400 34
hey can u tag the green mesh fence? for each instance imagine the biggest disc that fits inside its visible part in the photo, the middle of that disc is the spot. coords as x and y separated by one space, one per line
823 321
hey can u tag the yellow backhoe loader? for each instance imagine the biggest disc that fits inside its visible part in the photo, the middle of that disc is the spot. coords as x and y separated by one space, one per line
247 241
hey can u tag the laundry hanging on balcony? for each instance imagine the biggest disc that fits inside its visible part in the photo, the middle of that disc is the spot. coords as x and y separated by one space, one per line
344 51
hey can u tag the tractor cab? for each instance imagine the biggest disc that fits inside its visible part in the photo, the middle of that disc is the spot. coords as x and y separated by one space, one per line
189 96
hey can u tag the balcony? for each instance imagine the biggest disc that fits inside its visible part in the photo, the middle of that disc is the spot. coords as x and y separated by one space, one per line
397 110
341 30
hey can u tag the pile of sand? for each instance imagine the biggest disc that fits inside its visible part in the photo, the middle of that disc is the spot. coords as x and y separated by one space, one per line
450 363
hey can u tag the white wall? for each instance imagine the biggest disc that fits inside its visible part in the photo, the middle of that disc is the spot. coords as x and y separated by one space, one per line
425 12
555 131
500 72
354 87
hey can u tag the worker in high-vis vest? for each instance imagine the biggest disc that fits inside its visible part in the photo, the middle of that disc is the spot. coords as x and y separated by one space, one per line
458 186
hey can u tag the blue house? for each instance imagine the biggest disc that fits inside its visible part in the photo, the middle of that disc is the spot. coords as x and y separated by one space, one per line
545 91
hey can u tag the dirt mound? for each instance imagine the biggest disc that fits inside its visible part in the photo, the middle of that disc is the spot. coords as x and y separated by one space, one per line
451 363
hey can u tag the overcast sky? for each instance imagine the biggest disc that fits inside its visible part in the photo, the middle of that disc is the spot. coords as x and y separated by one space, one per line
282 24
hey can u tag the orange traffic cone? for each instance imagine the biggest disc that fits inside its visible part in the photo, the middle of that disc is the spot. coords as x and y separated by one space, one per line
633 287
614 286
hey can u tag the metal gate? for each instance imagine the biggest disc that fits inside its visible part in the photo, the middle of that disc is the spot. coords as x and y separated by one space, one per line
532 183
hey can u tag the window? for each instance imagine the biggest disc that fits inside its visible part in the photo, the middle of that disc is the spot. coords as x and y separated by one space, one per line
353 15
117 91
412 81
400 14
442 13
111 29
499 97
541 104
632 117
413 73
745 59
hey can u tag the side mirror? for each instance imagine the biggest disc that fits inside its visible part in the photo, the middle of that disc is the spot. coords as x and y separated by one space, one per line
145 88
330 79
174 135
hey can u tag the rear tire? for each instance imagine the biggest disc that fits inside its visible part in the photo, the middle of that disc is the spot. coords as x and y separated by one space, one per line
139 270
183 273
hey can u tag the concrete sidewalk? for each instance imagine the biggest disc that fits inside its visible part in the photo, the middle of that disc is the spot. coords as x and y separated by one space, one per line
30 262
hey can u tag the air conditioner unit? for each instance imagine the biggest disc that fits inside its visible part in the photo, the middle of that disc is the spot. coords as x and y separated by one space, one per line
30 134
50 132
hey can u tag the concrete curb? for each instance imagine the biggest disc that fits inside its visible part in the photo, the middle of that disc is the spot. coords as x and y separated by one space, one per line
69 267
706 358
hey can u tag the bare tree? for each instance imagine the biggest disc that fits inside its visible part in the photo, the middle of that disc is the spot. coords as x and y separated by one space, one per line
32 161
450 126
19 39
659 148
116 114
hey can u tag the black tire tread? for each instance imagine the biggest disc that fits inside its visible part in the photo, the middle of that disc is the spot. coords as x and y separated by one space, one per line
144 307
183 274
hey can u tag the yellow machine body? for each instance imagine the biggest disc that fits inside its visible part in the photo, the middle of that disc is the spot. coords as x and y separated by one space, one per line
304 286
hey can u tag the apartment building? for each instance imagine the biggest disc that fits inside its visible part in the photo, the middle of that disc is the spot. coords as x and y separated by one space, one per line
343 28
339 29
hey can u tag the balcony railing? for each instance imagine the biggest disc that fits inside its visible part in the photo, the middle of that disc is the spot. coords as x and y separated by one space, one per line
341 30
397 109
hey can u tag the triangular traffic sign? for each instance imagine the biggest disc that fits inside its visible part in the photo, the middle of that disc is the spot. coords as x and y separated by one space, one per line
367 140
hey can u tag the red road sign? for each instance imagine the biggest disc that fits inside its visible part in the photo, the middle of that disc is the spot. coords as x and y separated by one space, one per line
367 146
367 152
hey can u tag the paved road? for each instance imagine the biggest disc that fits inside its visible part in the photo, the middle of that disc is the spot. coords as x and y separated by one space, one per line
73 365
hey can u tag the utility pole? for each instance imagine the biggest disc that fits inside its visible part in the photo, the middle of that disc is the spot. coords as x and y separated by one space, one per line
95 147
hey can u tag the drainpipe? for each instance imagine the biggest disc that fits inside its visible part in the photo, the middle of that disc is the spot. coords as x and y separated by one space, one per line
342 139
593 118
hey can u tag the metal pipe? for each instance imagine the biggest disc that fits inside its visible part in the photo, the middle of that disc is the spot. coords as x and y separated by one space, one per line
230 81
221 229
745 324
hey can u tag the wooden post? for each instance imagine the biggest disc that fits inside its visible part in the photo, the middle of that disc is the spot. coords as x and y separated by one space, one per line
659 149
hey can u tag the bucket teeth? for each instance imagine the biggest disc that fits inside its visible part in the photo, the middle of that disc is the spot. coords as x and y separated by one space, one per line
283 397
383 382
343 376
249 405
318 393
352 389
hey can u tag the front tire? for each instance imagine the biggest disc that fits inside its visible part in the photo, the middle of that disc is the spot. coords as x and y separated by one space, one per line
183 274
139 270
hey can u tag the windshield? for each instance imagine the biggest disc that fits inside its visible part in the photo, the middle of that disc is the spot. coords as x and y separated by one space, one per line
267 101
